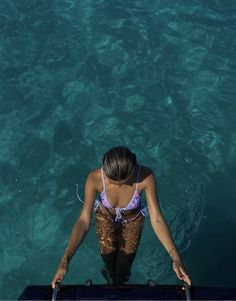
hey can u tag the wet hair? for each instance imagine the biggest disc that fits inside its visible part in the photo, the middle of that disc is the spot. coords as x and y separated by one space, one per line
119 163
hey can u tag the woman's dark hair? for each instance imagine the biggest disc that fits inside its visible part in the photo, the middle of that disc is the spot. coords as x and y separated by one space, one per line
119 163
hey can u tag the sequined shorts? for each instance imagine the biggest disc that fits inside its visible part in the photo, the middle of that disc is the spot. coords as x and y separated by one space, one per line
119 236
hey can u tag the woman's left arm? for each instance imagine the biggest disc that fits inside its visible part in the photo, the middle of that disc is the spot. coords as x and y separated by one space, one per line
161 228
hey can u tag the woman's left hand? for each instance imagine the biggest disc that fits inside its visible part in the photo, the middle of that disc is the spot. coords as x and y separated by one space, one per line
180 272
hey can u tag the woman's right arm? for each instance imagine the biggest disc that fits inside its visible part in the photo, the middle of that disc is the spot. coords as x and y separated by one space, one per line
80 229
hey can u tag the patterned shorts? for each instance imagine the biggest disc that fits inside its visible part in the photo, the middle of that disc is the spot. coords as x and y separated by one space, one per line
114 236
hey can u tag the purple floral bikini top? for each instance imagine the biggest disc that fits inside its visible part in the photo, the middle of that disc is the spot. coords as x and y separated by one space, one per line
134 203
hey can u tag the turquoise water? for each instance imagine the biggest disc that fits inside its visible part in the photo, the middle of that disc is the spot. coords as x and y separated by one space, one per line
79 77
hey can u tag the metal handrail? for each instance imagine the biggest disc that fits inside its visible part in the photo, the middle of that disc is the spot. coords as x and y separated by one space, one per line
55 290
187 292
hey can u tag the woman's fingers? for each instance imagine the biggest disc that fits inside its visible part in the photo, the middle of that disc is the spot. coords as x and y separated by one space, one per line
61 271
55 280
181 273
176 267
185 276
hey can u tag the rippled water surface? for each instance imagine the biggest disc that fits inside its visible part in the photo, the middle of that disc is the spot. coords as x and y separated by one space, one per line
78 77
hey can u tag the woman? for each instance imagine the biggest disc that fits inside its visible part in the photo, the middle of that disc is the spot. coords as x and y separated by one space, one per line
119 216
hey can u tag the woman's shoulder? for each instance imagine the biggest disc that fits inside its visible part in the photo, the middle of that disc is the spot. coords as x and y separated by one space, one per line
95 176
95 173
145 176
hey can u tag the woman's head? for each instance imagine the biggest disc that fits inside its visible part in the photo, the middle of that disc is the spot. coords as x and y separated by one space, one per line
119 163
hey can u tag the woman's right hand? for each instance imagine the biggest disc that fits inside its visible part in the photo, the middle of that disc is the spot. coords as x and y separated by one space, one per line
61 271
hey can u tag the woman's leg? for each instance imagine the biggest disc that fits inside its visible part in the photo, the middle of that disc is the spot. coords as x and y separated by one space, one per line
128 243
107 233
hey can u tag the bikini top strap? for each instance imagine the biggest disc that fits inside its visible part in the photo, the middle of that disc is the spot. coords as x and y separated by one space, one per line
103 179
137 180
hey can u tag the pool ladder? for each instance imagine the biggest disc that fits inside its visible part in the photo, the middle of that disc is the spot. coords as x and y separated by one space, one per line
89 282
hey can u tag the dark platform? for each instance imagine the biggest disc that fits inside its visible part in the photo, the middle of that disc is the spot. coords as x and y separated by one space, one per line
127 292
